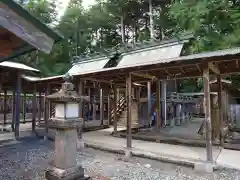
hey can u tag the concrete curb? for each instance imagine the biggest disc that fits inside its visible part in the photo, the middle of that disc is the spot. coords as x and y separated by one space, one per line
152 156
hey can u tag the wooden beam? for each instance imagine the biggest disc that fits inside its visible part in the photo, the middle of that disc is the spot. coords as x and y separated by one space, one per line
145 75
182 71
207 110
214 68
97 80
166 71
237 64
198 67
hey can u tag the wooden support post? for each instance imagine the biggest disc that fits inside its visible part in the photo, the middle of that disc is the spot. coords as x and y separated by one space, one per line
17 106
40 108
101 106
115 108
138 97
207 109
5 107
220 109
164 101
118 94
24 108
46 110
90 102
94 103
13 109
109 107
81 93
158 104
81 115
34 108
149 103
129 115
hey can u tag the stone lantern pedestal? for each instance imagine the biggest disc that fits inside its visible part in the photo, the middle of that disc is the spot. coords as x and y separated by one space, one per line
66 121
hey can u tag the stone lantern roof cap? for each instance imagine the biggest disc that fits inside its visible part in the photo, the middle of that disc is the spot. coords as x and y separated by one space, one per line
67 94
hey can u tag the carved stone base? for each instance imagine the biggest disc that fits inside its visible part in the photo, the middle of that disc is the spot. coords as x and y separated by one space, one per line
75 173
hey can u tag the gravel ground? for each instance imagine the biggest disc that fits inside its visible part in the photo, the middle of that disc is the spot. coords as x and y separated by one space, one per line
29 159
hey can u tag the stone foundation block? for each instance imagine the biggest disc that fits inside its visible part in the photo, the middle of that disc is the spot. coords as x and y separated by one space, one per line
75 173
204 167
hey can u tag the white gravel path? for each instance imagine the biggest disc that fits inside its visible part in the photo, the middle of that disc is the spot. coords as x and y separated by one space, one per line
29 159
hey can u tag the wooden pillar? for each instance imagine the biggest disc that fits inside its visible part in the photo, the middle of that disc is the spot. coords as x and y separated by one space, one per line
183 113
129 115
118 94
115 109
94 103
40 108
5 107
220 109
34 108
158 103
46 110
164 101
81 115
17 106
101 106
207 109
90 102
149 103
13 108
81 93
138 97
109 107
24 108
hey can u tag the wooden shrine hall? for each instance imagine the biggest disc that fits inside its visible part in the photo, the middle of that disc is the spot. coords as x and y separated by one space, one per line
145 67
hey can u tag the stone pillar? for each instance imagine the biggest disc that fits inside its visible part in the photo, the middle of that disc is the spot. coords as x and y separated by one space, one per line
66 120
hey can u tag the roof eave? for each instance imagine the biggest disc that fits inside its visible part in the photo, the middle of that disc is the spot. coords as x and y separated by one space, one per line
17 8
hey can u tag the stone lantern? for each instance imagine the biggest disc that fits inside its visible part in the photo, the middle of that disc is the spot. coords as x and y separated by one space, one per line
66 121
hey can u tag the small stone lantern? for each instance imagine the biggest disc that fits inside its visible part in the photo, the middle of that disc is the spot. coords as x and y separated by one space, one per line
66 122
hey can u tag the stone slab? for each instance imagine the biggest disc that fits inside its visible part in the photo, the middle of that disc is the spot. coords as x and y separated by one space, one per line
229 158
